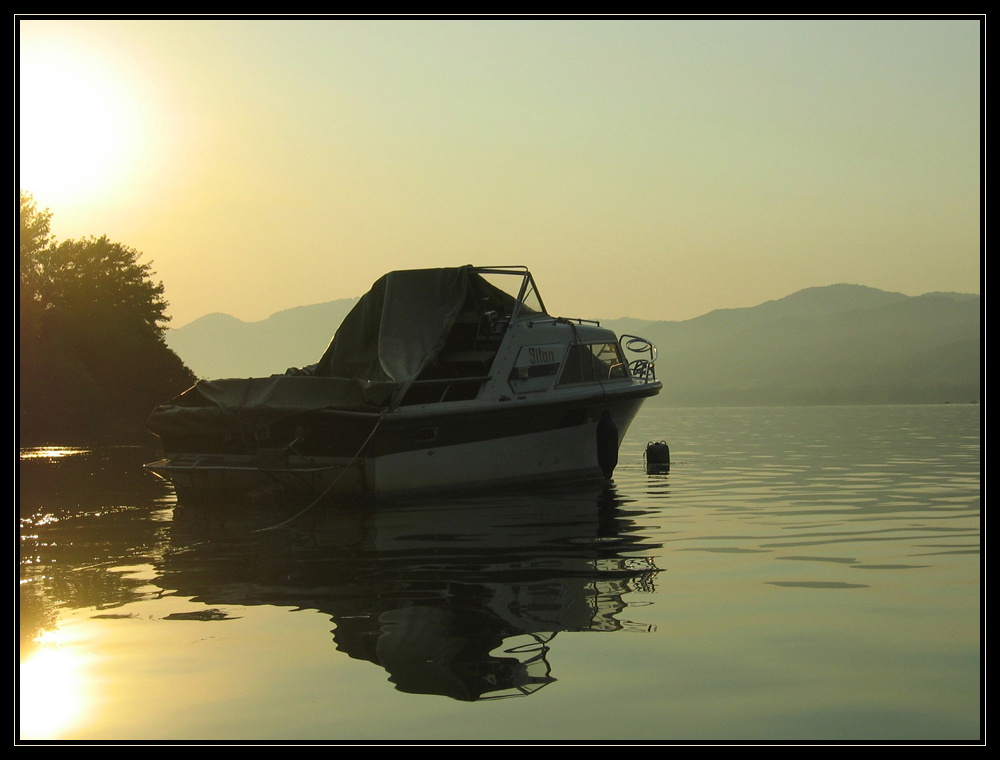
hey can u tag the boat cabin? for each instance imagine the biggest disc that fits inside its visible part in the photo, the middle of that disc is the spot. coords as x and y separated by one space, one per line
505 299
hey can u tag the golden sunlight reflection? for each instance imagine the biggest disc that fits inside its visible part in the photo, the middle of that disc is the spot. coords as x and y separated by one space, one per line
50 452
52 698
80 127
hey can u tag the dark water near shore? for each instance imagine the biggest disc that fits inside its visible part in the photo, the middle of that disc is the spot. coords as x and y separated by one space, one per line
798 574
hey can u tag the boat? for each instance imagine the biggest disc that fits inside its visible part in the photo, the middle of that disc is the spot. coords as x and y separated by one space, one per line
437 380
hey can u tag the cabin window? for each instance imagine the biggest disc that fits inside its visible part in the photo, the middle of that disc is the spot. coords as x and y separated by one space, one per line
591 363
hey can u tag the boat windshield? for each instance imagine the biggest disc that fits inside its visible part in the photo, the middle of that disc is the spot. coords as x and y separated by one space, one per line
517 283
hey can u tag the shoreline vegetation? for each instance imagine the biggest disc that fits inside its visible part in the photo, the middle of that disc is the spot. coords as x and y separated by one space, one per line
92 360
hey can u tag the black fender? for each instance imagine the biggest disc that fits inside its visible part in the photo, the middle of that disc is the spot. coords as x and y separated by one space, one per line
607 444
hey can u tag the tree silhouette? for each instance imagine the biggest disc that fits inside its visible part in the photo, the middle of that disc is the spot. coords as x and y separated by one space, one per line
91 321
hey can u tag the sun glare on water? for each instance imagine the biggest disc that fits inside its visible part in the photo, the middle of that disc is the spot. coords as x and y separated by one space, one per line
81 128
51 693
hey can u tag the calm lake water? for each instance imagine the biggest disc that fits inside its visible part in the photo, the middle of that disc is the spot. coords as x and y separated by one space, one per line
798 574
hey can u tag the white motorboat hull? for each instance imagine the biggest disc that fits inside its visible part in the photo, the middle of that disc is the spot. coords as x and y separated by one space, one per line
560 452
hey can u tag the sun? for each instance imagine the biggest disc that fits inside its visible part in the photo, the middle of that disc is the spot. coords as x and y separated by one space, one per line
80 127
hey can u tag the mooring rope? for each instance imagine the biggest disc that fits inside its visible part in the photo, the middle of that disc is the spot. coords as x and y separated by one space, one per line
335 480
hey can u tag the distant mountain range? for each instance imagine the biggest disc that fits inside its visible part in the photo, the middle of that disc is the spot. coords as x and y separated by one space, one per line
219 345
828 345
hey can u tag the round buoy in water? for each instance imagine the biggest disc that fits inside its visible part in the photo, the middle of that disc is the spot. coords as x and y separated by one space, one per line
657 456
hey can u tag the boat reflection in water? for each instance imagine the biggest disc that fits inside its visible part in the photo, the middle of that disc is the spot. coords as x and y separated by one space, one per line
460 598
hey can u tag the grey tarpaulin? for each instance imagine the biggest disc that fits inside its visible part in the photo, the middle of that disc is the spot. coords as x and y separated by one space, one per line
388 339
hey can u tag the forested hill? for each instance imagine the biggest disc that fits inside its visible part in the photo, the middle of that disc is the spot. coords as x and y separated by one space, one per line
824 345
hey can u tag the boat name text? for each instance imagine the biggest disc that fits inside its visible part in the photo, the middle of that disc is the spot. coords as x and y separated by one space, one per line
541 356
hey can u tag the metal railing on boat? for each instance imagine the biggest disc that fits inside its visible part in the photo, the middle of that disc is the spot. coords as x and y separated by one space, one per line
642 368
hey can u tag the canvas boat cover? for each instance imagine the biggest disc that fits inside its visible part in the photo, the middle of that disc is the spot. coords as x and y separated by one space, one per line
395 331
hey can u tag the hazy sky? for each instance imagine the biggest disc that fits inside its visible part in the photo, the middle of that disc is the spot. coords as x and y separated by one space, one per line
653 169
